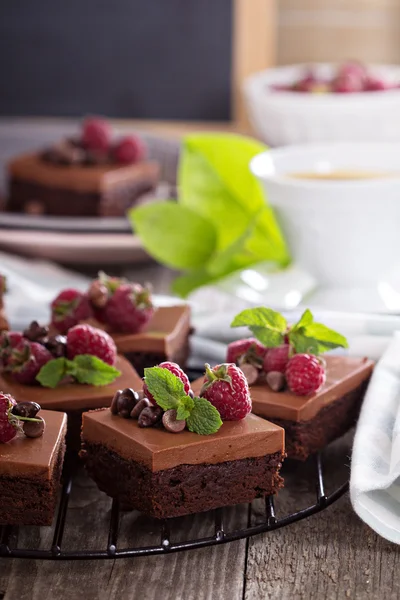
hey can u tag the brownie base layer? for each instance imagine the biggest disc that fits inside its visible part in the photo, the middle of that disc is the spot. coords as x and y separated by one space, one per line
142 360
62 202
33 501
303 438
184 489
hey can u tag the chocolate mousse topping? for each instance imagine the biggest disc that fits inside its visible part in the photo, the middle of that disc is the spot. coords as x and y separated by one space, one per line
74 396
343 374
165 333
158 449
34 457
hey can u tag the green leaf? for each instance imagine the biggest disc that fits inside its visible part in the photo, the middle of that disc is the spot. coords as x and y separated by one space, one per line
216 181
268 337
175 235
260 317
316 338
305 319
53 372
92 370
184 284
204 418
165 387
185 406
221 223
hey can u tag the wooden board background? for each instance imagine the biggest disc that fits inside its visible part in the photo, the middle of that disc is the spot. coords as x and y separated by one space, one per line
335 30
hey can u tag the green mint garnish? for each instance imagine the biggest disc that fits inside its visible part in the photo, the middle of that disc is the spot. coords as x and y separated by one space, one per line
84 368
168 391
165 387
271 328
221 221
185 407
267 325
204 418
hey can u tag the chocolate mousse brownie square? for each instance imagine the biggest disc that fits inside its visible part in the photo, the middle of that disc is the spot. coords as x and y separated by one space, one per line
39 186
165 337
312 422
74 398
30 471
167 474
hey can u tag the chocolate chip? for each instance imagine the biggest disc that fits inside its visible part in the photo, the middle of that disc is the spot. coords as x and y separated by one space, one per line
171 423
56 345
114 402
276 381
35 332
126 402
34 429
26 409
93 157
98 294
150 416
137 409
250 372
64 153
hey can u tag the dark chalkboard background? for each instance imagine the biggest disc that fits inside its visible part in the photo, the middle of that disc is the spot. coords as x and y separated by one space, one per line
167 59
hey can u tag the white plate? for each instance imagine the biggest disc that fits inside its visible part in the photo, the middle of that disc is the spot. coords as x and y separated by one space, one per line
76 248
50 223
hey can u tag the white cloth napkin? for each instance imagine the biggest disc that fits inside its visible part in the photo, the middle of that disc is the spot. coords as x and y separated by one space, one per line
375 466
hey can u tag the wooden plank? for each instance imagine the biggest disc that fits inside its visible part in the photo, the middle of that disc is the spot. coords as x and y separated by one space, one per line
330 555
254 47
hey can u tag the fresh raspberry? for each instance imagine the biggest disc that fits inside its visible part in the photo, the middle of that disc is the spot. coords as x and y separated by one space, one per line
350 78
8 341
85 339
276 359
305 374
247 350
129 150
129 308
374 84
8 425
226 387
26 360
69 308
306 83
176 370
96 134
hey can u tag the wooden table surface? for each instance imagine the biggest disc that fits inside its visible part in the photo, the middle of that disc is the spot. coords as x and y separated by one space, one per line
331 555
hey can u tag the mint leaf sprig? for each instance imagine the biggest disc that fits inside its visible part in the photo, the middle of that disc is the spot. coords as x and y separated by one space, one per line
169 393
84 368
272 329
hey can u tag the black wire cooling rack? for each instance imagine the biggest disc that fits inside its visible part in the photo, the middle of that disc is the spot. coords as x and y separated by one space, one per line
269 522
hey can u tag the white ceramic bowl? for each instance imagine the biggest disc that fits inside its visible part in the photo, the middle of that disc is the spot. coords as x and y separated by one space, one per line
343 232
283 117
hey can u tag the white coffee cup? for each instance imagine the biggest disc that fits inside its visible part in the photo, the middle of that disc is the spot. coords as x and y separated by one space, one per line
345 232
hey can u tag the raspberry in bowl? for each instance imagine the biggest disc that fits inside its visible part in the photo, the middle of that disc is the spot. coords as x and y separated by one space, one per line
315 399
72 373
180 456
328 104
145 334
